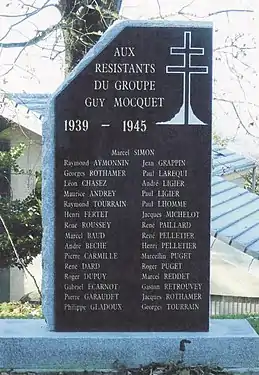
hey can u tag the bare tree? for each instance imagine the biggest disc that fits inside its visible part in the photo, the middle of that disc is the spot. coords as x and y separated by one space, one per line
80 25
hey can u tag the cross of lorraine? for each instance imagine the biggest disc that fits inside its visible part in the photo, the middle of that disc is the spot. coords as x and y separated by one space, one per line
186 115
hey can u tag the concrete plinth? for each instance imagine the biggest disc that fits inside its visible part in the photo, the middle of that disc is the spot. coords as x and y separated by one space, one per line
27 344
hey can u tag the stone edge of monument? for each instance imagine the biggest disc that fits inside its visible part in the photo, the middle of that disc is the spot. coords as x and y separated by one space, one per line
48 155
27 344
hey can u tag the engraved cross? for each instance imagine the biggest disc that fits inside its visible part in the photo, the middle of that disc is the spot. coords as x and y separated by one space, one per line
187 69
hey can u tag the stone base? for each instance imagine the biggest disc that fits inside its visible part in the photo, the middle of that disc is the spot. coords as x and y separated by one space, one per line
27 344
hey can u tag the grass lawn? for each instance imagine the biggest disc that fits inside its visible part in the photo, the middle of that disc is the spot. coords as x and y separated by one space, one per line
17 310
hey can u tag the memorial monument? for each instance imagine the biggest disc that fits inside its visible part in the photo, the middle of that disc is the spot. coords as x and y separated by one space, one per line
126 182
126 218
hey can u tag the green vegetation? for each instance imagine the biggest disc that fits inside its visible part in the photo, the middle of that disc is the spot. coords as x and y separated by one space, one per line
235 316
23 221
20 220
249 182
18 310
8 159
254 323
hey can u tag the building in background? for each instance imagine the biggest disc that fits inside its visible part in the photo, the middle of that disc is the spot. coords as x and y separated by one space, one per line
232 166
19 125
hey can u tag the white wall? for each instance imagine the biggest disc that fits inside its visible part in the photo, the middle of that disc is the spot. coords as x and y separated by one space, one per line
22 185
233 273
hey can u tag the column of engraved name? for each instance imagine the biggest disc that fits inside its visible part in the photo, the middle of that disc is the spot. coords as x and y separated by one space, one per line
88 201
102 291
150 275
176 236
74 203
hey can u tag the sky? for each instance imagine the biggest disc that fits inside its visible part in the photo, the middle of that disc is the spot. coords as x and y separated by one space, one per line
36 71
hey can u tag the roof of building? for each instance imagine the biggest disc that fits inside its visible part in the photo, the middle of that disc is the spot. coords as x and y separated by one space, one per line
235 216
225 161
19 114
36 103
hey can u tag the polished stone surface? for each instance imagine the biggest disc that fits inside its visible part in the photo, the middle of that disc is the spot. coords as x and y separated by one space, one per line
176 126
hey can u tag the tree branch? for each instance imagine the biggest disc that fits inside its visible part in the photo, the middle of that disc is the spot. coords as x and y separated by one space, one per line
241 122
13 64
159 9
36 39
26 16
186 6
230 11
194 15
236 101
29 14
217 12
